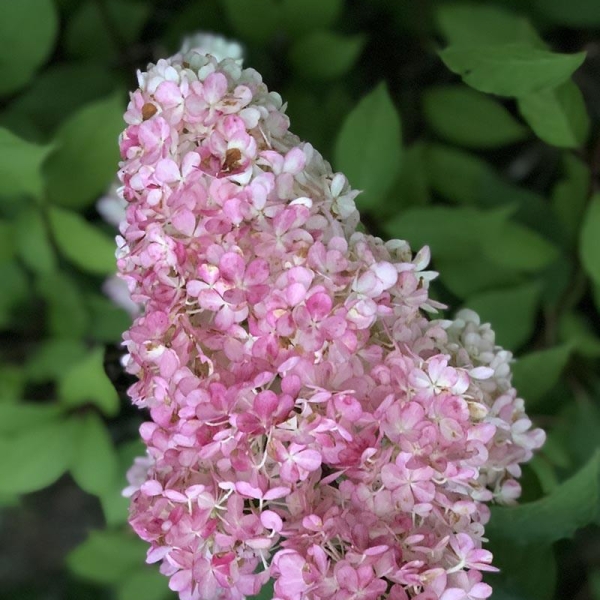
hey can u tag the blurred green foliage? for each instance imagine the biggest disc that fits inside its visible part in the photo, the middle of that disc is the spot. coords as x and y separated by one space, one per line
473 127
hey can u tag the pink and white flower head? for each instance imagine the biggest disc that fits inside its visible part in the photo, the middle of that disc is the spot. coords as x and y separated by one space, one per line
310 423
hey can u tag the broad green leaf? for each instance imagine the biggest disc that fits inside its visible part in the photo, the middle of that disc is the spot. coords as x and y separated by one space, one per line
147 583
474 273
575 329
108 322
532 209
88 33
86 382
473 23
52 357
471 119
307 54
27 32
35 457
107 557
84 163
7 242
114 505
575 13
545 472
317 115
20 166
558 115
66 312
456 175
514 246
536 373
526 572
452 233
95 464
368 148
33 244
64 87
570 195
510 69
589 242
511 312
411 189
82 243
15 291
12 383
306 16
254 21
15 418
574 504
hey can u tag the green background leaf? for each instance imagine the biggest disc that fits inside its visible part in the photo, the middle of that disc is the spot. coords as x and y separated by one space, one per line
369 146
510 69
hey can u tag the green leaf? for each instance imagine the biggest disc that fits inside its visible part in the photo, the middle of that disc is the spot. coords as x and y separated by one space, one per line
369 148
575 13
558 116
473 273
108 322
412 188
15 418
64 87
146 583
35 457
254 21
469 118
575 503
114 505
66 312
589 242
107 557
95 464
511 312
86 157
7 242
307 54
526 572
33 243
575 329
510 69
27 32
82 243
570 195
471 23
20 166
304 17
52 357
15 291
456 175
536 373
317 115
12 383
86 382
88 34
452 233
514 246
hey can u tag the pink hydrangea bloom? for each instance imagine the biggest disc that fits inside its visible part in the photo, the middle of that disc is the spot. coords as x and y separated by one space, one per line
310 422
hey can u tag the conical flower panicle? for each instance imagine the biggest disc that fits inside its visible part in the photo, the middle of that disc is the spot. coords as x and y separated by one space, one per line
310 423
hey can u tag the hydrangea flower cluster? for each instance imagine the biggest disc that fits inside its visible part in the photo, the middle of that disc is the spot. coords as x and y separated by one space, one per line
310 423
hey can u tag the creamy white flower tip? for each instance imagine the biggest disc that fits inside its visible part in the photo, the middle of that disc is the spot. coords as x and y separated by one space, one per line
481 372
112 207
216 45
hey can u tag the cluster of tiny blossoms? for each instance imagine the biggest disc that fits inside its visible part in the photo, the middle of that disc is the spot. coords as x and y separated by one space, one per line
310 424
